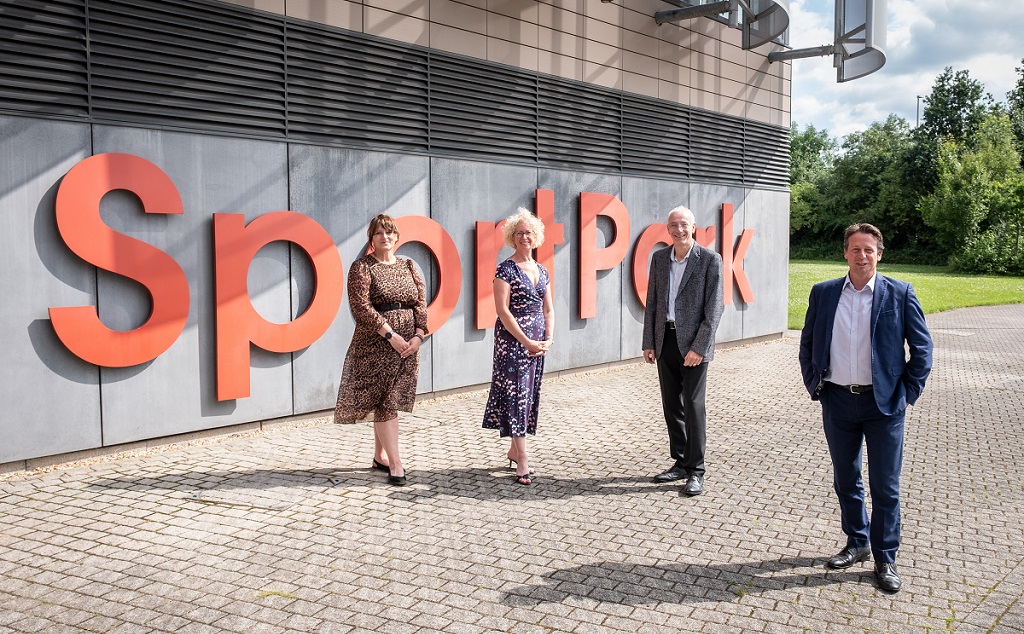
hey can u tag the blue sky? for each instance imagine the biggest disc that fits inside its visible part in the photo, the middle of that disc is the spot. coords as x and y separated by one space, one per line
984 37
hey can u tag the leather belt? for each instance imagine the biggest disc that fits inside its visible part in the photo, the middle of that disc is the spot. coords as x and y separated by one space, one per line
853 389
393 306
671 325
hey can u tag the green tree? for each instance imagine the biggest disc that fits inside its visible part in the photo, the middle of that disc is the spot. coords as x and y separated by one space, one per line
812 153
870 181
1008 217
1015 103
955 108
975 207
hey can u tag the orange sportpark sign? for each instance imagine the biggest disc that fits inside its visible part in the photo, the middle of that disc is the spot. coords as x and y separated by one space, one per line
235 243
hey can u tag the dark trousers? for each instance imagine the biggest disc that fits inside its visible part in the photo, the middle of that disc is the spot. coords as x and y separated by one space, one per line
682 398
851 420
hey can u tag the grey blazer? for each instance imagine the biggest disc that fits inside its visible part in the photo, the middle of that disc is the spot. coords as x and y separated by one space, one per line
699 304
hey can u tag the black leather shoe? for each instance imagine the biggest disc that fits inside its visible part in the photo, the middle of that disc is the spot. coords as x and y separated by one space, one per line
849 556
694 485
673 474
887 577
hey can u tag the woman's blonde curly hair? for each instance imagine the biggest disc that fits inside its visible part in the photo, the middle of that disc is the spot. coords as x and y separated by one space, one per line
523 216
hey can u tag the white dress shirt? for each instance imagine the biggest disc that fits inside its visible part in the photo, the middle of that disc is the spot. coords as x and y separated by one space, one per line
675 276
850 352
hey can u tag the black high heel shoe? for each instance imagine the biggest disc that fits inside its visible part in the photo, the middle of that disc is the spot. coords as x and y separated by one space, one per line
512 463
380 467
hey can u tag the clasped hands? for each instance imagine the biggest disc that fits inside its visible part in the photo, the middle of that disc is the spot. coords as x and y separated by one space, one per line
405 348
537 348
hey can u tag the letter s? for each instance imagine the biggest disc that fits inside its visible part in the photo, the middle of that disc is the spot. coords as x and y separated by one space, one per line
80 225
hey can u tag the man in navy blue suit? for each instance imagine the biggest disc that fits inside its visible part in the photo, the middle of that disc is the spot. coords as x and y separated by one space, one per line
854 361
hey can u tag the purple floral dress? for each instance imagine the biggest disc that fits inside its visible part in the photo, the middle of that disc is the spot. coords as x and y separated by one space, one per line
515 381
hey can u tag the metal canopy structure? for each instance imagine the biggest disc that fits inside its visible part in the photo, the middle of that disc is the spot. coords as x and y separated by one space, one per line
859 47
761 20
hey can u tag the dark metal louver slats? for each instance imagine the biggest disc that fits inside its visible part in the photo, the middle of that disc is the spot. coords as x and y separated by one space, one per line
482 111
716 148
43 60
216 67
353 90
655 138
766 155
188 64
578 126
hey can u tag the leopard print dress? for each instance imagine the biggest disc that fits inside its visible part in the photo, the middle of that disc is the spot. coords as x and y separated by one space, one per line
376 378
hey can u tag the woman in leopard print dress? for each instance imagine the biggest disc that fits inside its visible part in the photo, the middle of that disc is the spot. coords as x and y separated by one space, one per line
387 297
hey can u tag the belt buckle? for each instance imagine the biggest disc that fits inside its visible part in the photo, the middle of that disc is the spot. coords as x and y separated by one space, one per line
670 325
858 389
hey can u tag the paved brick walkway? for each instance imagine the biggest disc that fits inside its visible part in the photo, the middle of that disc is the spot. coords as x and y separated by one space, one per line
287 530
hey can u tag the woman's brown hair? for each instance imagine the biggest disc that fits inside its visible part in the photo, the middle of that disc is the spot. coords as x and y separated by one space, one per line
381 221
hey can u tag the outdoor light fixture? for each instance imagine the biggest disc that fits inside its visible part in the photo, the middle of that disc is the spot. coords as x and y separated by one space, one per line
859 47
760 20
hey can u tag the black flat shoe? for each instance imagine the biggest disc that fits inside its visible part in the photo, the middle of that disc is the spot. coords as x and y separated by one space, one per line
672 475
694 486
887 577
848 556
398 481
380 467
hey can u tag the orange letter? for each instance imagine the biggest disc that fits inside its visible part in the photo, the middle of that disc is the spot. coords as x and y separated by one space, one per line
79 223
732 260
553 234
705 237
650 238
238 323
489 240
593 259
449 267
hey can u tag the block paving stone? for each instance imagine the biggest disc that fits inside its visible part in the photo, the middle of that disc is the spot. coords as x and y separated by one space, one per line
289 530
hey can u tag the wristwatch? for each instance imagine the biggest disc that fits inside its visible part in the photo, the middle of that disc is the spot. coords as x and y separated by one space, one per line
388 334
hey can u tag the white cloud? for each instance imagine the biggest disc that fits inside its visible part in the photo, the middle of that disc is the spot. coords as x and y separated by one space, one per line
923 37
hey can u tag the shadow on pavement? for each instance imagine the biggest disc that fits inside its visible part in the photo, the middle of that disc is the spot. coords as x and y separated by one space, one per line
632 584
479 484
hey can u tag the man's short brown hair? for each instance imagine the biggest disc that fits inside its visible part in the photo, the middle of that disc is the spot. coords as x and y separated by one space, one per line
863 227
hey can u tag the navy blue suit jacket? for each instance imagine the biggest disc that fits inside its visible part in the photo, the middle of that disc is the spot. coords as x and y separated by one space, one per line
896 317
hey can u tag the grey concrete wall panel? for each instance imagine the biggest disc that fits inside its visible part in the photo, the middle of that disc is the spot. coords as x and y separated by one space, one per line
767 262
649 202
706 204
176 393
49 398
462 193
582 342
342 190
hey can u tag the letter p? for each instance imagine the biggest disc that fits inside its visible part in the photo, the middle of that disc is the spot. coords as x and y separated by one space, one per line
238 323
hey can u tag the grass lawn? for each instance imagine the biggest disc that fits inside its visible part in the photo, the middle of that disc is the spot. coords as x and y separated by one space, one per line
935 286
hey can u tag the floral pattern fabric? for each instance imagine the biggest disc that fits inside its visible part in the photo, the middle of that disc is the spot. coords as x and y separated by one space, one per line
514 399
376 378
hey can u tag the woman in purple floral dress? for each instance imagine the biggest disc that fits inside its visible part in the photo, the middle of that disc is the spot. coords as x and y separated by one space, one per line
522 336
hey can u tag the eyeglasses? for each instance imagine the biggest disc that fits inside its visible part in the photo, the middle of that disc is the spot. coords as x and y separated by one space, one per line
524 234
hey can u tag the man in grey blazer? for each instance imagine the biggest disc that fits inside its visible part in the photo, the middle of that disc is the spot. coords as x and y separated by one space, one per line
684 306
